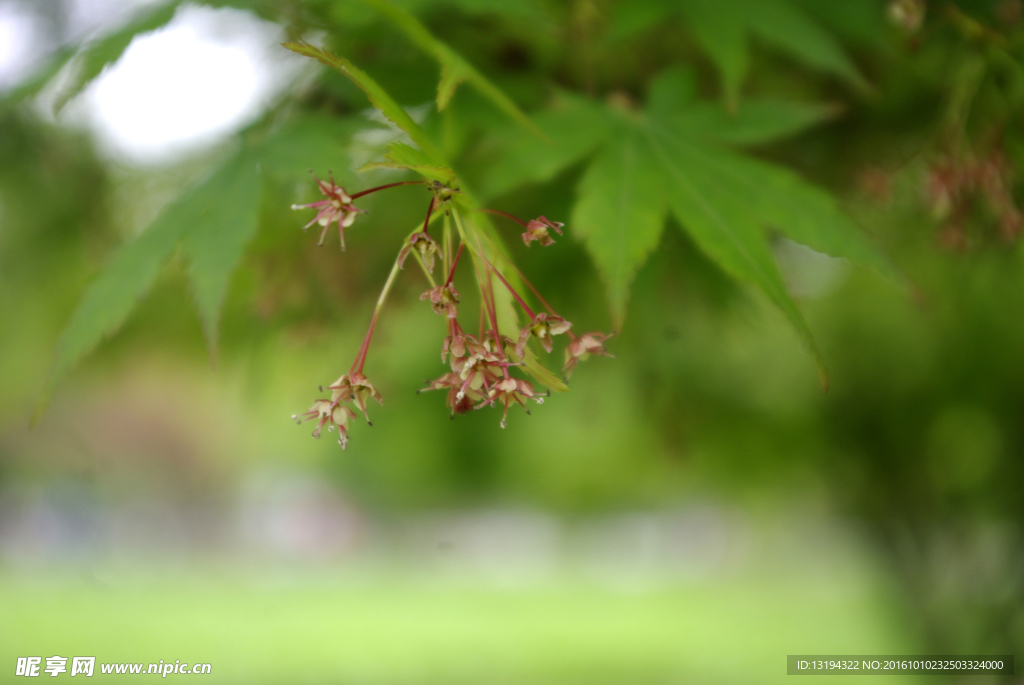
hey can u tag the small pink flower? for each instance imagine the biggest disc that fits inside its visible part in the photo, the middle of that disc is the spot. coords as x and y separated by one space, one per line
582 347
459 404
457 342
444 299
337 208
490 346
330 413
509 390
537 229
477 372
355 388
425 245
542 327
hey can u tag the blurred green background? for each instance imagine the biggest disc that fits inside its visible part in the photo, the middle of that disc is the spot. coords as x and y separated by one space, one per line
694 510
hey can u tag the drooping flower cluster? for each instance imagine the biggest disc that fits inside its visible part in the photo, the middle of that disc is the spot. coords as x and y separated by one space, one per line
482 365
955 186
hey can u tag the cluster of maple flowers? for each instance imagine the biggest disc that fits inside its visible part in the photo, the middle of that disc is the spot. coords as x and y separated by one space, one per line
955 185
481 365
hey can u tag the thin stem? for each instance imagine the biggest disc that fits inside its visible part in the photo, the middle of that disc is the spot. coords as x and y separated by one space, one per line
357 364
530 286
388 185
498 212
526 308
458 225
455 263
492 312
387 287
430 210
446 246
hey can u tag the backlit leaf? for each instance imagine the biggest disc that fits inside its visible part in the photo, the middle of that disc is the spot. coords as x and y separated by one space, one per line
225 212
313 142
110 298
451 76
454 69
108 49
378 96
402 156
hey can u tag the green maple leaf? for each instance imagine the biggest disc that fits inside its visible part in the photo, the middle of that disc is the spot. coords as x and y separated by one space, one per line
675 156
724 29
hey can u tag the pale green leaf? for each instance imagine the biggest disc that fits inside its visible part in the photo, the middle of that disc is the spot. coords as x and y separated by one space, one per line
38 79
620 213
224 220
402 156
109 299
94 56
378 96
451 76
541 374
312 142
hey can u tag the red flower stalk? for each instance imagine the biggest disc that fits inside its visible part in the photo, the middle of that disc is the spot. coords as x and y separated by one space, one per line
542 325
386 186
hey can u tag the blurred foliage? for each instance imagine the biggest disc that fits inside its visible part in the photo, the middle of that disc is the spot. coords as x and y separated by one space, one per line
886 133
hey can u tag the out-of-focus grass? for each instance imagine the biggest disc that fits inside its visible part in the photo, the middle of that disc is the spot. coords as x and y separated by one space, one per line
406 629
